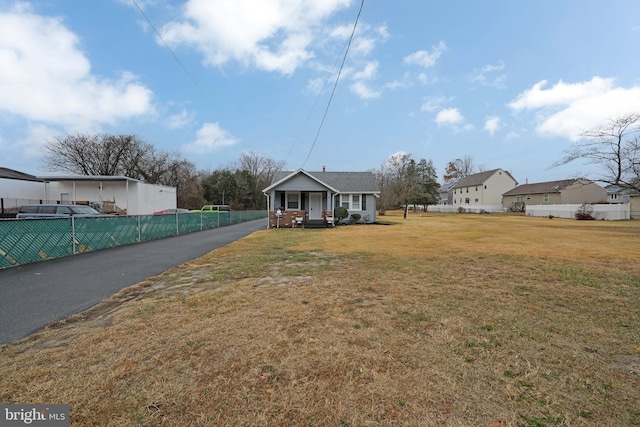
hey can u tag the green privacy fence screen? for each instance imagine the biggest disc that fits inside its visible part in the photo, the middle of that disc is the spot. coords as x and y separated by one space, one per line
23 241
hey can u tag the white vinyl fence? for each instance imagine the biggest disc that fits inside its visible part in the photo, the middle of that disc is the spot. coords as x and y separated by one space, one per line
467 208
609 212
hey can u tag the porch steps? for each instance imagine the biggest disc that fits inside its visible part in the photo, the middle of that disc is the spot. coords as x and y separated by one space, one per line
315 223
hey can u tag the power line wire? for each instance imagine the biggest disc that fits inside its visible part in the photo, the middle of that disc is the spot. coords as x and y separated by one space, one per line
326 111
193 80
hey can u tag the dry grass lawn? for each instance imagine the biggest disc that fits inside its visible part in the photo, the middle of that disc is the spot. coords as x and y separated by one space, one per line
439 320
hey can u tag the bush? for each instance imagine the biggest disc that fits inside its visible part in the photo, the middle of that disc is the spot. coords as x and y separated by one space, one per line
355 217
340 213
584 212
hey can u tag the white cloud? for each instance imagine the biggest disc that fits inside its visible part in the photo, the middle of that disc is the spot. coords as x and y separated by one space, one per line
45 77
405 82
567 109
315 86
449 116
431 103
210 137
273 35
425 58
369 71
486 75
180 120
492 124
361 89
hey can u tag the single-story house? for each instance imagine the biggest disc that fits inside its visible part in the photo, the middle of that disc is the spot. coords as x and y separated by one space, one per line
108 194
483 189
562 192
313 196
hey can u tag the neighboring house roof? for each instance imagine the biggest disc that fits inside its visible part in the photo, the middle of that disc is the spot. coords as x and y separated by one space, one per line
616 189
338 182
479 178
541 187
13 174
444 188
88 178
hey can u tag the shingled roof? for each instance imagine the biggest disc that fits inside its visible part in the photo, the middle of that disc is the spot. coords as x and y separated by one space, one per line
478 178
343 182
541 187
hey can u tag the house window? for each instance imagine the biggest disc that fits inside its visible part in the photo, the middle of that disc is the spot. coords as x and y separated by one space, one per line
476 190
467 189
350 201
293 201
466 200
546 197
528 196
485 187
476 200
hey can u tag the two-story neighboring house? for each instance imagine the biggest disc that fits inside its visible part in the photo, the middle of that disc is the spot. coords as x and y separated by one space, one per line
484 189
565 191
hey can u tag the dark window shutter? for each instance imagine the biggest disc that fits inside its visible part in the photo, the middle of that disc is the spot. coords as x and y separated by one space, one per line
364 202
283 201
303 199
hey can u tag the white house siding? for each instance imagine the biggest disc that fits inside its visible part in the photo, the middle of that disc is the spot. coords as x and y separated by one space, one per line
487 193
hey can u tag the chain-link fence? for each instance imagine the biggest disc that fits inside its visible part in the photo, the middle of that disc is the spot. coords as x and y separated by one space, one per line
23 241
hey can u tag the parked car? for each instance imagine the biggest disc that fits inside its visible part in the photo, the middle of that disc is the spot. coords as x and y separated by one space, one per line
172 211
213 209
55 211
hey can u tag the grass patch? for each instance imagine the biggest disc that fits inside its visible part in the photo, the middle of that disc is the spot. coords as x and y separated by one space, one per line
444 319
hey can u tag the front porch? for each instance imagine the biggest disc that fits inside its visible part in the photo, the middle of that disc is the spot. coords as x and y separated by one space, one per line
299 219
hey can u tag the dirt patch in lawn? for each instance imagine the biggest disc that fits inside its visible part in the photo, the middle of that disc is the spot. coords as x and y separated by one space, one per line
435 320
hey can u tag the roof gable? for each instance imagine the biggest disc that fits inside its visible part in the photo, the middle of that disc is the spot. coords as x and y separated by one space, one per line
338 182
480 178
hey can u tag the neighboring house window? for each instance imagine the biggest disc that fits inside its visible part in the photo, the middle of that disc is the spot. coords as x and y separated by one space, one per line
293 201
476 200
466 200
350 201
467 189
528 196
546 197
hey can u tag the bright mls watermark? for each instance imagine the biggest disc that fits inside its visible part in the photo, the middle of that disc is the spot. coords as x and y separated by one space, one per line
34 415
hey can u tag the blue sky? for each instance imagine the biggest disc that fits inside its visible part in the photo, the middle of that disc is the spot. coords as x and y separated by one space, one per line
509 83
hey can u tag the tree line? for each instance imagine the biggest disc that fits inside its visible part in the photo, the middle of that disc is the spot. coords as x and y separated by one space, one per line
402 180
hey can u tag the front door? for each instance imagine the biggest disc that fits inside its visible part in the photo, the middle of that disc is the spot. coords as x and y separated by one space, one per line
315 206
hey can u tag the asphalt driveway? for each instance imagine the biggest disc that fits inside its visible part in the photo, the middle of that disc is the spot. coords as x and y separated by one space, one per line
35 295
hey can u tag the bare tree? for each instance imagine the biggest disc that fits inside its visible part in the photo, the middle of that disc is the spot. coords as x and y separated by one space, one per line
459 168
263 168
613 146
112 155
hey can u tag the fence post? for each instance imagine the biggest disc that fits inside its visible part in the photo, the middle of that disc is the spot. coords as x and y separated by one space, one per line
139 228
73 234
